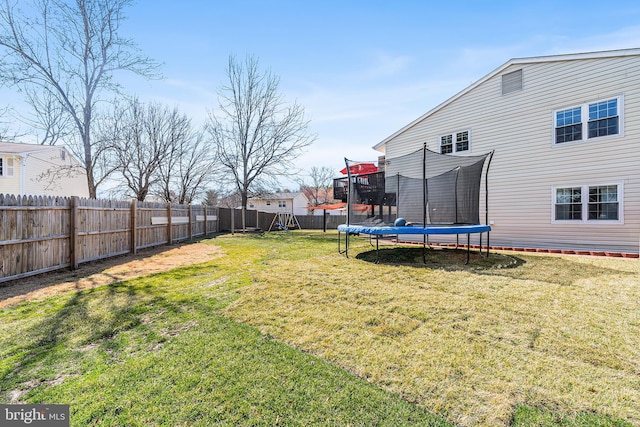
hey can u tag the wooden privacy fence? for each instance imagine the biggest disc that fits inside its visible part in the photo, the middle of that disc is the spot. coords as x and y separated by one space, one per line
41 234
231 219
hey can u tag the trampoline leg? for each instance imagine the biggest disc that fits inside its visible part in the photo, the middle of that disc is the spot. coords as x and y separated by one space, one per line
346 244
340 251
377 250
488 244
468 248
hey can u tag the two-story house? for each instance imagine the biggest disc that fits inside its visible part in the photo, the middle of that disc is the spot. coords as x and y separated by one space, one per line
566 132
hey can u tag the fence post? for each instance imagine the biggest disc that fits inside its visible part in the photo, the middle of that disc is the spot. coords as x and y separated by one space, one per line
204 208
73 233
233 217
190 212
134 226
169 234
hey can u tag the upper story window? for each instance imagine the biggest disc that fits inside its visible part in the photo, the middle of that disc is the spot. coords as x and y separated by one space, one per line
603 118
455 142
268 202
588 121
6 166
282 204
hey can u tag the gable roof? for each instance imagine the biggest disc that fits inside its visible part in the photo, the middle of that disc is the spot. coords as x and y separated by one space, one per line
514 61
278 196
16 148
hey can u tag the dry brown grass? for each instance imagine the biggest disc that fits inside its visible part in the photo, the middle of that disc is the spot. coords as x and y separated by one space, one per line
559 332
105 272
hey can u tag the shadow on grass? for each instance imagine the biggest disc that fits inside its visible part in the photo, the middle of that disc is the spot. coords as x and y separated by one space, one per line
445 259
53 346
550 269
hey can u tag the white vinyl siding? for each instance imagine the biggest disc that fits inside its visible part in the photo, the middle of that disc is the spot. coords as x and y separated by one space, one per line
526 166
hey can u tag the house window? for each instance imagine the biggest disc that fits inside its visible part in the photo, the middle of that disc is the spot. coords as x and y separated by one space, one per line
268 202
282 204
603 118
6 166
251 205
446 144
588 121
588 203
603 202
569 203
569 125
461 139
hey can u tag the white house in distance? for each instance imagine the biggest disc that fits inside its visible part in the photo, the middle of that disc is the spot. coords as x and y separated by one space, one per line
566 133
47 170
294 203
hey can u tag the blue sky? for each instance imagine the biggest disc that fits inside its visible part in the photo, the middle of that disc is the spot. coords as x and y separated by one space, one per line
361 69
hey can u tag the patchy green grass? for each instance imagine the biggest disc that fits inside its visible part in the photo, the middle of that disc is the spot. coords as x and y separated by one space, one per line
156 351
282 330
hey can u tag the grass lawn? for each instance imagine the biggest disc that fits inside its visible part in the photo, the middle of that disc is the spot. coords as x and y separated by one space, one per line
282 330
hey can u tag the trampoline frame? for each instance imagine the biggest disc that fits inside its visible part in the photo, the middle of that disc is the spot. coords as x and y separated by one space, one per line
378 232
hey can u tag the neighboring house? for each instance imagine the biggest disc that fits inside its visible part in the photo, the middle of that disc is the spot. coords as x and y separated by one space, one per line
30 169
295 203
566 135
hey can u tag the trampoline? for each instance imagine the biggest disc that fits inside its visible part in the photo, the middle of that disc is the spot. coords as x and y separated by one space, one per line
438 193
377 232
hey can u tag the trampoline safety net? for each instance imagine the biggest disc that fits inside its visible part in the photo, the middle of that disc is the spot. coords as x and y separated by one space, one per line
423 187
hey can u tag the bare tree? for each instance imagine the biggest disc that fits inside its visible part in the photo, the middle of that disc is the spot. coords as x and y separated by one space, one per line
254 132
318 191
187 168
142 137
6 131
48 117
72 50
212 197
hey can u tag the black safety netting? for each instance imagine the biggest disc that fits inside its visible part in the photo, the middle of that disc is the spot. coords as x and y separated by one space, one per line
423 187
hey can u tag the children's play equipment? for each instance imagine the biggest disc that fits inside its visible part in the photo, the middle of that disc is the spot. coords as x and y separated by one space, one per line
424 192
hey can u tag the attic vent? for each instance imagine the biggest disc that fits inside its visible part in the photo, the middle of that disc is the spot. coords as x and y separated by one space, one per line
512 82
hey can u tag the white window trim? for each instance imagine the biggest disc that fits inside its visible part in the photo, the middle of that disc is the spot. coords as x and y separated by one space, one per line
6 168
453 137
585 122
585 205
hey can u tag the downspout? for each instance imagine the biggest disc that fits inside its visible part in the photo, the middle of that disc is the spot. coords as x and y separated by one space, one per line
23 169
